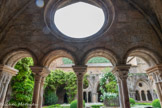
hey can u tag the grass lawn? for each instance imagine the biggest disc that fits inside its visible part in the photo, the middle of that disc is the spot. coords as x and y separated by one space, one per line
143 103
52 106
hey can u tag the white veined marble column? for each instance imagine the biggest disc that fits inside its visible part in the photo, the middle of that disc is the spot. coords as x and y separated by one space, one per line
156 72
6 74
120 93
121 71
80 71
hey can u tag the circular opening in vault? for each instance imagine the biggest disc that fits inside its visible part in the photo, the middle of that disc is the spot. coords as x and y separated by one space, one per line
79 20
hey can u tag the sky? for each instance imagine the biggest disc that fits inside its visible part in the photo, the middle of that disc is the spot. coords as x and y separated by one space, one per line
79 20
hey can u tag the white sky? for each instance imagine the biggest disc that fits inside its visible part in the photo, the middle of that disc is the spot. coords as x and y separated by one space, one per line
79 20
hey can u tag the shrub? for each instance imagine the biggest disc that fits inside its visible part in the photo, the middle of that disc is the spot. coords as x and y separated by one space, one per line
132 101
96 106
50 98
74 104
156 103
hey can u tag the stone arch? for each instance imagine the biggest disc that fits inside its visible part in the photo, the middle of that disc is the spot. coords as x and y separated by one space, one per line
101 53
51 56
14 56
147 55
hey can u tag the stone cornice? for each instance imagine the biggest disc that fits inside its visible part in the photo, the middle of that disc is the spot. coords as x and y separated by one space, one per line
8 69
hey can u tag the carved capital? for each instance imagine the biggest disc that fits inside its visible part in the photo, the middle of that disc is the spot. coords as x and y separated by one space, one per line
7 70
40 71
80 71
121 71
155 73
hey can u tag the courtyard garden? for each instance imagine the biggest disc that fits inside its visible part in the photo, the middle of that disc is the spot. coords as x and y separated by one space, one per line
23 84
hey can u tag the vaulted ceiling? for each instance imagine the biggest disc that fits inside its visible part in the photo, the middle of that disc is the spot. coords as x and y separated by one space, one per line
151 9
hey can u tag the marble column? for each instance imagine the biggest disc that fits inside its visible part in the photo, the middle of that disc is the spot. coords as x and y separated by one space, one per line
80 71
6 74
87 97
146 95
120 93
94 97
39 74
140 94
156 72
121 71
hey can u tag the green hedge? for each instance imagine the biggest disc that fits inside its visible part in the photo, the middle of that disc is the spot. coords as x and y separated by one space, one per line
74 104
132 101
50 98
156 103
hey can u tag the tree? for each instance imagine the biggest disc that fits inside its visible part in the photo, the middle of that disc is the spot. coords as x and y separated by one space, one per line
68 80
71 86
108 85
22 84
55 79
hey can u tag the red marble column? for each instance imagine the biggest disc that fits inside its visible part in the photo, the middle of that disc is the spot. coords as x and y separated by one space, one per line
39 74
80 71
121 72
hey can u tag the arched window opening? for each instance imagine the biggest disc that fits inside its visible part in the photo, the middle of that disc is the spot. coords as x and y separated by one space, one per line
85 96
89 97
137 96
24 79
143 95
149 96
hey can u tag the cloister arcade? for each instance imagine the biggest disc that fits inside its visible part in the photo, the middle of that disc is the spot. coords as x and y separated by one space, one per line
131 28
40 72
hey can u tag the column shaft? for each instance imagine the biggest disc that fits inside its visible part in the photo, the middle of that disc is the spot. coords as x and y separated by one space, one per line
121 72
4 90
36 91
80 71
125 93
120 94
156 73
39 73
146 96
6 74
41 93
